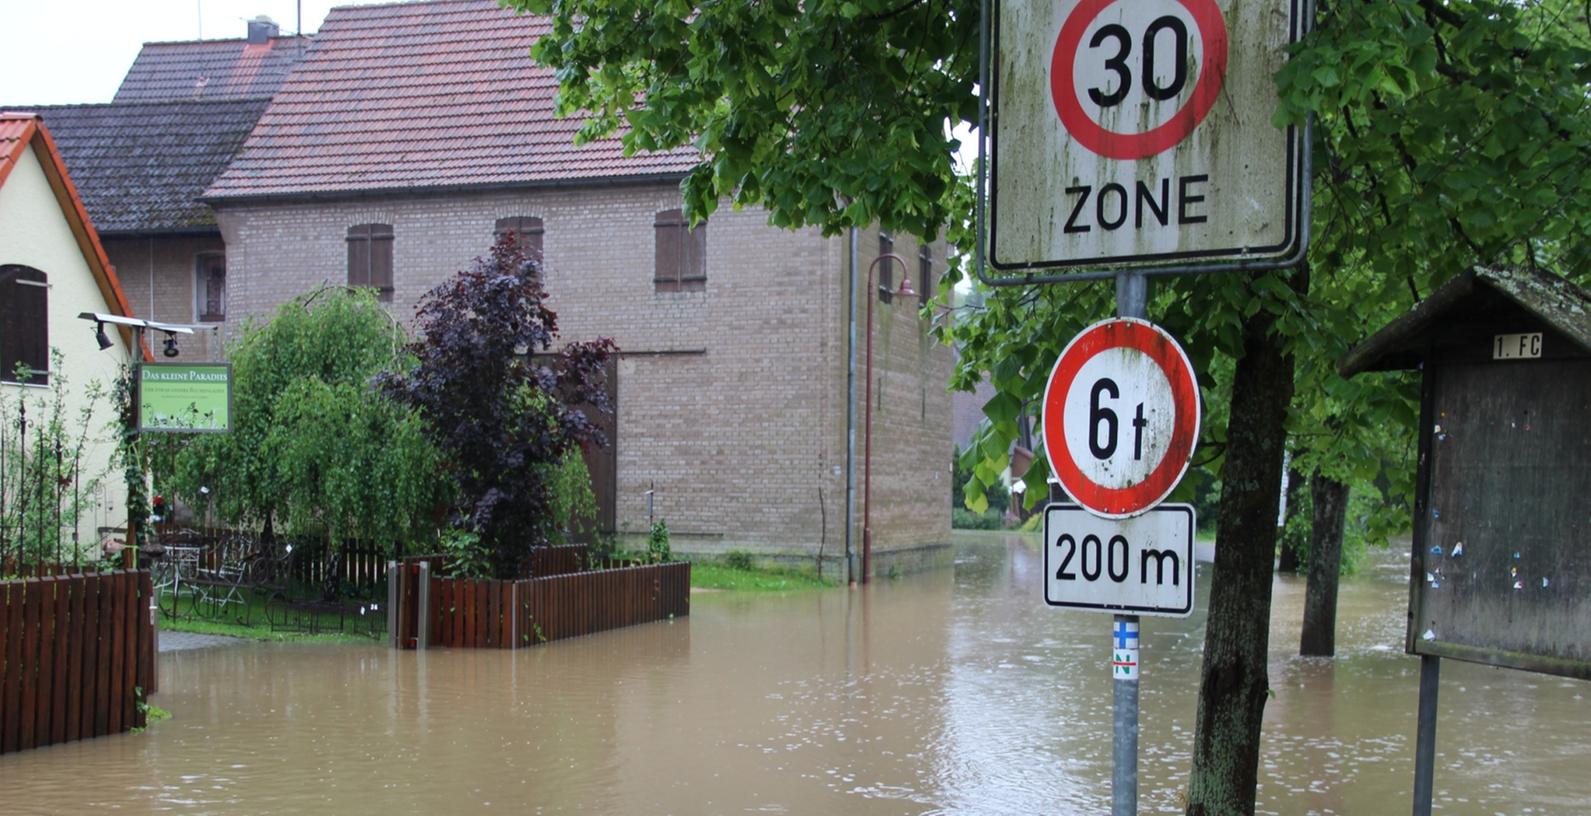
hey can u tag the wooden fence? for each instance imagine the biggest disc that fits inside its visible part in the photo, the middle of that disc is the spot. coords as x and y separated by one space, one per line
562 560
74 649
491 614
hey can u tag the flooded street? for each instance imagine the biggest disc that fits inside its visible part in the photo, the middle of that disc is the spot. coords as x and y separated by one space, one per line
956 691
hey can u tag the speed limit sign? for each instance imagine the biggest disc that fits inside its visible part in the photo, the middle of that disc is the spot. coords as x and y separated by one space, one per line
1121 417
1139 133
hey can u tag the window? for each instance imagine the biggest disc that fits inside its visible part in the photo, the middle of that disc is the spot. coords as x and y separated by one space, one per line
370 258
209 287
886 245
525 231
24 323
681 254
925 273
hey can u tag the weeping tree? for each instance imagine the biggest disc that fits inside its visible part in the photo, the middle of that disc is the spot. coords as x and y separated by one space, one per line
315 449
501 403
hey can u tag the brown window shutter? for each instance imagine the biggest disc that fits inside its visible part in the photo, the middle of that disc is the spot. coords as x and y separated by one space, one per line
527 231
212 288
381 261
670 233
358 256
925 273
24 323
370 258
531 231
693 271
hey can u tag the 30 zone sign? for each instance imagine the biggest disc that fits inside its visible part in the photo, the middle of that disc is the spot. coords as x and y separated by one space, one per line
1140 566
1138 133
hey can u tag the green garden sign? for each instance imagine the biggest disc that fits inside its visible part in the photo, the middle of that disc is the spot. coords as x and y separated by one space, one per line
185 397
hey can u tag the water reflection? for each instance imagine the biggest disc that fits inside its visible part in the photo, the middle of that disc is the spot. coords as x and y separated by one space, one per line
951 692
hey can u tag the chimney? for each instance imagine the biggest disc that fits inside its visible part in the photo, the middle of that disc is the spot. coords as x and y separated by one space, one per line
262 29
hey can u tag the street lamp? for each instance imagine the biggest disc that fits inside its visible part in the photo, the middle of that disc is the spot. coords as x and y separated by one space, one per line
905 290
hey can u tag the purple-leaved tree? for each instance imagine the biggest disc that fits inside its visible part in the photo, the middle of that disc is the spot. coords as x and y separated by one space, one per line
503 404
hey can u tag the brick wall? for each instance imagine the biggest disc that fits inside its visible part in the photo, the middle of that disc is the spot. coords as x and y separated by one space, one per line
911 412
732 401
158 275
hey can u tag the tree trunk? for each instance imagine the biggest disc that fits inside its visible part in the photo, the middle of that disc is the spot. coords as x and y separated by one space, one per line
1330 499
1287 561
1233 682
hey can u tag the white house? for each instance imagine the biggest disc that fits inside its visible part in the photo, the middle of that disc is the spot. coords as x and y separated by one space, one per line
52 268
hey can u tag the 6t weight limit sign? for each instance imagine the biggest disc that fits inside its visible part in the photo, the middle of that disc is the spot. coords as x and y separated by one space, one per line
1121 417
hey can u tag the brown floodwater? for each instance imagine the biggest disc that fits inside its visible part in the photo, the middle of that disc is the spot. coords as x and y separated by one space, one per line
956 691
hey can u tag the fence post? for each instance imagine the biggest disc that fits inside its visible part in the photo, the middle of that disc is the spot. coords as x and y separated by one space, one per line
394 617
422 623
152 676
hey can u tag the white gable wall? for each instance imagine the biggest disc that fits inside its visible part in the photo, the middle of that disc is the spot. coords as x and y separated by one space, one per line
35 232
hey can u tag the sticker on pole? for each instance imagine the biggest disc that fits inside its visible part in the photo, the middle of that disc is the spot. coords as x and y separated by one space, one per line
1121 417
1124 650
1136 566
1139 133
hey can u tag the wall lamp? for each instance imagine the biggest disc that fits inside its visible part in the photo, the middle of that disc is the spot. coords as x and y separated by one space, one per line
138 326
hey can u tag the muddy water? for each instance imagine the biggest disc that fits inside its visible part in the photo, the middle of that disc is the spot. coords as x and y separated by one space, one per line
952 692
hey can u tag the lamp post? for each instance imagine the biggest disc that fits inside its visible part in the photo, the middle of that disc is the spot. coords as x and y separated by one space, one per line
905 290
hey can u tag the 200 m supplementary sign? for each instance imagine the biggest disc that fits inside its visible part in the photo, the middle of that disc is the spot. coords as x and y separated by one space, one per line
1143 565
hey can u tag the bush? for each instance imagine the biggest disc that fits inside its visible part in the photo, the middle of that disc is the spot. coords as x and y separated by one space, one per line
738 559
466 556
964 519
657 547
573 503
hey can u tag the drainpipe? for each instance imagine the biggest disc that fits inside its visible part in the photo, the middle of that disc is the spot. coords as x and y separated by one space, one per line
149 273
850 413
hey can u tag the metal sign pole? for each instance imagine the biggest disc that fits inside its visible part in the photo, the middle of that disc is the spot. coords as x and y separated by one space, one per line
1132 300
1124 719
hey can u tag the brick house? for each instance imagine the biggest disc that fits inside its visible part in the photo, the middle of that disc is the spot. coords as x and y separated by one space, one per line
411 134
142 160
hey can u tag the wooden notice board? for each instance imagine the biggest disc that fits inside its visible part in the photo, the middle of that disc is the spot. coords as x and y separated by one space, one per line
1501 570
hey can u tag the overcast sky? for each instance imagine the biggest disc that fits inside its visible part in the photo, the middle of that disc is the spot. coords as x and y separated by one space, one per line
65 51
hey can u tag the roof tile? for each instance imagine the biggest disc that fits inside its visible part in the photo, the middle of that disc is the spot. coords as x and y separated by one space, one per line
423 95
209 69
140 167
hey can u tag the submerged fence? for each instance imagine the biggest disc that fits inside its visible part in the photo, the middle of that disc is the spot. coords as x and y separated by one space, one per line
472 613
356 569
74 649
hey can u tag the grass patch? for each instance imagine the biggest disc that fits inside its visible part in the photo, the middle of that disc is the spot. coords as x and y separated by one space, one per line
250 623
772 579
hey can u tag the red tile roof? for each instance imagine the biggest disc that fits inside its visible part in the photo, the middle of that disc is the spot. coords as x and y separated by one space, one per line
210 69
18 131
417 96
